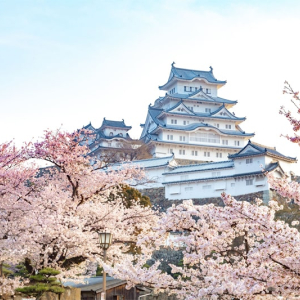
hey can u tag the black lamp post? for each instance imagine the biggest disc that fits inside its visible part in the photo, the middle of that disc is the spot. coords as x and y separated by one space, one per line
105 241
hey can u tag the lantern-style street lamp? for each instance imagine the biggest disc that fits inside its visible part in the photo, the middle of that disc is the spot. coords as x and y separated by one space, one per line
105 241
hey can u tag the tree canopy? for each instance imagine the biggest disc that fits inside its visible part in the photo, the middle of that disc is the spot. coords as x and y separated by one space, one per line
236 251
51 220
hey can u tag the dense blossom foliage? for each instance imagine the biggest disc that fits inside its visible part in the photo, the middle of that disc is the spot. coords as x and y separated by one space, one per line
237 251
50 217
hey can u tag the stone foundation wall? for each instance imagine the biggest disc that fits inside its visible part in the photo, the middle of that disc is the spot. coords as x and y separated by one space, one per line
157 198
166 256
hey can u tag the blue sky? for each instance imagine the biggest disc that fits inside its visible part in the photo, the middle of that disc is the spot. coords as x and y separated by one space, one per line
66 63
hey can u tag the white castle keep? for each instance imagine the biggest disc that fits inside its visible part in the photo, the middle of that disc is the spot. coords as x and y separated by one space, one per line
192 123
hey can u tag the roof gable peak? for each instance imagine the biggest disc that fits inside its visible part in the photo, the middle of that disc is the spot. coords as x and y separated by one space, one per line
200 94
189 75
180 108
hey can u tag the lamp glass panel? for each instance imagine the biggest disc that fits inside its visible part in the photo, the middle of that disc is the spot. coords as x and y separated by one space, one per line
105 239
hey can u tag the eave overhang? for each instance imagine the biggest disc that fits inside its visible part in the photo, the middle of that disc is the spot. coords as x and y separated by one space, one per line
175 78
196 127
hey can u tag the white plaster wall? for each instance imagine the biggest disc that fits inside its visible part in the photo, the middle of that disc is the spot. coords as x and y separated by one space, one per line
117 131
187 134
166 149
201 190
194 84
198 174
160 151
242 167
154 178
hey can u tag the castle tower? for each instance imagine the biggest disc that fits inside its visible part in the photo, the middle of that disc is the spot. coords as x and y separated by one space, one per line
110 135
192 121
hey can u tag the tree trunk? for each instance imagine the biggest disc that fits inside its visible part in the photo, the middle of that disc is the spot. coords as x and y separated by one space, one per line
1 270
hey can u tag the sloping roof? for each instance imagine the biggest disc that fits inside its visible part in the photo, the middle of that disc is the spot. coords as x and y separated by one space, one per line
154 112
117 124
194 126
151 162
189 74
212 114
178 104
268 168
254 149
187 97
201 167
89 127
230 115
95 284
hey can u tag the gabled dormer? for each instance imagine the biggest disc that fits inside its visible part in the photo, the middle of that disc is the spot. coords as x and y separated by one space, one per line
181 108
223 113
89 127
200 94
114 128
254 149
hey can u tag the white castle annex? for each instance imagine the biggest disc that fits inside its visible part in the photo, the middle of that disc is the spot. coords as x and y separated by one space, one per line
192 123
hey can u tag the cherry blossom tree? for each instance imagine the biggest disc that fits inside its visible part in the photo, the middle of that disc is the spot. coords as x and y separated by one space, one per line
236 251
50 218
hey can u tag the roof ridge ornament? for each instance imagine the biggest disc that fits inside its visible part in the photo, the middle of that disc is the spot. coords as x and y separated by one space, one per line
211 69
172 64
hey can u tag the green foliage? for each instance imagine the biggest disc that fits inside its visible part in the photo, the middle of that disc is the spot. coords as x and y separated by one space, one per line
130 195
43 282
21 271
99 271
6 269
49 272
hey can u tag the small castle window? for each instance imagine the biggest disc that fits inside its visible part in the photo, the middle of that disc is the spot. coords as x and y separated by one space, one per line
216 174
185 88
208 91
188 188
111 134
206 187
249 181
249 160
